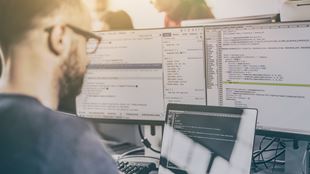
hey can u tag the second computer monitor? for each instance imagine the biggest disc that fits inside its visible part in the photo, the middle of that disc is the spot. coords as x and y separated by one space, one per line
136 73
264 66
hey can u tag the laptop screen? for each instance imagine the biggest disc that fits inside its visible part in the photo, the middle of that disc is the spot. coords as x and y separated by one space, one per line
203 139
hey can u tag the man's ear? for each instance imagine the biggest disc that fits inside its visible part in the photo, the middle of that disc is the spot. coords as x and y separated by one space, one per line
56 39
1 61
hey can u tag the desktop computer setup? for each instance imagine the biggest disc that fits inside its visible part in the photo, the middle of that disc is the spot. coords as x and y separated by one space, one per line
200 83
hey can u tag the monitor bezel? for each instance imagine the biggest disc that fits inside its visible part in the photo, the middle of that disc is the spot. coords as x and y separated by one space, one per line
124 121
203 108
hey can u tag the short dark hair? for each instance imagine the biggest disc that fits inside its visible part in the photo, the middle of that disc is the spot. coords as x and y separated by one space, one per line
118 20
17 16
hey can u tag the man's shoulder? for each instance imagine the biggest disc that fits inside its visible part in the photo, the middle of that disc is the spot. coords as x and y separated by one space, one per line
27 113
13 106
61 119
51 140
81 143
76 140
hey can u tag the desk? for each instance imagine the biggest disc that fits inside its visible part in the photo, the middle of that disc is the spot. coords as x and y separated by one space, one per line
263 170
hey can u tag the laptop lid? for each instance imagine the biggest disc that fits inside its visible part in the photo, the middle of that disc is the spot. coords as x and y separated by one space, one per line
207 139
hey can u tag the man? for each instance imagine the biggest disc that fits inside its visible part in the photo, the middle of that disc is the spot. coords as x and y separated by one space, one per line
116 20
178 10
44 48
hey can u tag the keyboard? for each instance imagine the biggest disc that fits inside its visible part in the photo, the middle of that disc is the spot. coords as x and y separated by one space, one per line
131 167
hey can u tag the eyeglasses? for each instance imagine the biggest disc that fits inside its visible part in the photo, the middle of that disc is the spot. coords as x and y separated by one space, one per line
92 40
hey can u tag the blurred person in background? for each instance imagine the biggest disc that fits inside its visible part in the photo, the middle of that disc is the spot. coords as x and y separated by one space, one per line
178 10
101 6
44 48
99 9
116 20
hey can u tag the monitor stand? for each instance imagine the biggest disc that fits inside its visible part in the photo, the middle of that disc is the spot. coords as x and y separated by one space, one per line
154 135
296 158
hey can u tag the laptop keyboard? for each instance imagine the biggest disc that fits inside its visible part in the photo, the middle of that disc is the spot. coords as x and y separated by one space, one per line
131 167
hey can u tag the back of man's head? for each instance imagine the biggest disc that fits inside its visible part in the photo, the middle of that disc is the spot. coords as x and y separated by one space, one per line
19 16
44 46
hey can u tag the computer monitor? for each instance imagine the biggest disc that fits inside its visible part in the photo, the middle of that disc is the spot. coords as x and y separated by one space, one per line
134 74
269 18
207 139
263 66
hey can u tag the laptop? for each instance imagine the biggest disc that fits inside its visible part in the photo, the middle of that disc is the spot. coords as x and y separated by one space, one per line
207 139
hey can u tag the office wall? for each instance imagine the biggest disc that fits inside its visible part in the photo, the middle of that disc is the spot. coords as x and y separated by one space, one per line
236 8
144 14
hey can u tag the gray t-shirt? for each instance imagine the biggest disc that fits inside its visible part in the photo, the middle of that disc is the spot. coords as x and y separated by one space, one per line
37 140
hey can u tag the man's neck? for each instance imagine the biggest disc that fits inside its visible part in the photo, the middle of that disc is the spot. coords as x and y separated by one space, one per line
21 77
46 100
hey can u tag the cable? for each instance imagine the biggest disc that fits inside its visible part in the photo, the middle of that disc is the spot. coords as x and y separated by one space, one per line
145 141
265 163
304 161
274 162
271 159
139 149
260 153
137 156
268 150
263 150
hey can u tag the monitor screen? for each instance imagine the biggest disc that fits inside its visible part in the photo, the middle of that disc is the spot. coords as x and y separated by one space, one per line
135 74
263 66
207 139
